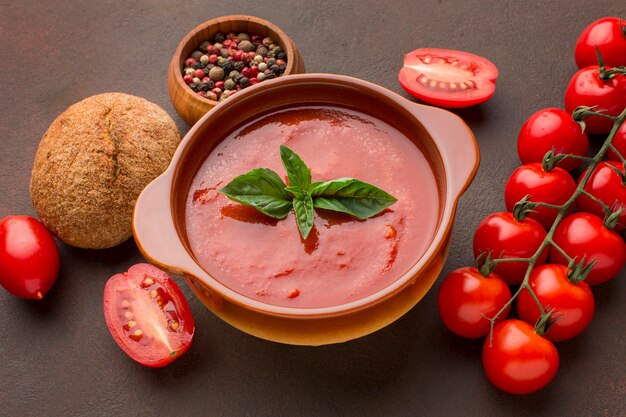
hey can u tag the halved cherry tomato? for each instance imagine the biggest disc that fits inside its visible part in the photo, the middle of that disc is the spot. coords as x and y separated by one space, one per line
148 315
448 78
583 234
29 258
573 301
619 142
608 186
549 129
518 360
609 35
466 298
505 237
587 89
553 187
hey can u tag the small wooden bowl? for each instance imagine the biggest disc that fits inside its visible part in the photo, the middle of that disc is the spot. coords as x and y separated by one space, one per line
189 105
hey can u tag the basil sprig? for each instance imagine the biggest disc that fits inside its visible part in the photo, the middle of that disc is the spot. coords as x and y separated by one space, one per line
264 190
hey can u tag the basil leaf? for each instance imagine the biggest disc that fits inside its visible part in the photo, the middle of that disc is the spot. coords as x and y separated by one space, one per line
298 173
262 189
351 196
303 206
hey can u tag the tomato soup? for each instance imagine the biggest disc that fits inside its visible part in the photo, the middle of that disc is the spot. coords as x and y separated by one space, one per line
343 259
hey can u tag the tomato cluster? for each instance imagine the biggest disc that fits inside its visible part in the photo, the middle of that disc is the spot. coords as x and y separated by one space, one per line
559 236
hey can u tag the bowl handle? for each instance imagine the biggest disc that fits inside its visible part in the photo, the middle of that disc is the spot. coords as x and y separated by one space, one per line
456 144
155 232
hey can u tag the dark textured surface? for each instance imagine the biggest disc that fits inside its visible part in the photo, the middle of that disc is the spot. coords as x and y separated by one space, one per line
57 357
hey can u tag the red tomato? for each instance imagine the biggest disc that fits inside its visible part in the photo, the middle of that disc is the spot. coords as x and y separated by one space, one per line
148 315
583 234
518 360
619 141
506 237
29 258
607 186
550 129
609 35
573 301
466 297
553 187
587 89
448 78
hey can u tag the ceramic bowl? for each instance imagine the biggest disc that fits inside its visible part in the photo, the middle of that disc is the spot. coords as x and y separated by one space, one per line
189 105
159 217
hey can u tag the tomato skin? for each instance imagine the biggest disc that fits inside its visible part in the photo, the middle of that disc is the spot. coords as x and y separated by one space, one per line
574 301
583 234
553 187
154 307
549 129
518 360
587 89
448 78
619 142
607 186
465 296
29 257
506 237
608 36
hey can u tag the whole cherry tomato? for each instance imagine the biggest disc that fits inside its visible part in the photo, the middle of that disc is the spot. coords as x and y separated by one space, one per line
608 186
29 258
466 297
518 360
609 35
505 237
619 141
148 315
583 234
573 301
550 129
553 187
587 89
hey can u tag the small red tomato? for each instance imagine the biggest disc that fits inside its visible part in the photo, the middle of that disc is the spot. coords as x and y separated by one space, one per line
607 186
583 234
549 129
609 35
587 89
518 360
466 297
29 258
448 78
505 237
619 141
573 301
553 187
148 315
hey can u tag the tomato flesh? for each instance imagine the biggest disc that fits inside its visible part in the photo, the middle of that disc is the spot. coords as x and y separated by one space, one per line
607 186
148 315
619 142
448 78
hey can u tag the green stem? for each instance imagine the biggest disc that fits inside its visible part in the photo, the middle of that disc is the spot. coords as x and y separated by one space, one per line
618 153
548 205
562 212
607 209
561 251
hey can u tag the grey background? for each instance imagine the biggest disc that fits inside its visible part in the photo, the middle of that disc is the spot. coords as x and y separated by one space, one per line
57 357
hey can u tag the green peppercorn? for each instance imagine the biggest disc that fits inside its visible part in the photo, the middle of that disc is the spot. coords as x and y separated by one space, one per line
204 59
243 37
231 35
218 45
267 42
219 37
224 95
216 74
272 47
271 54
262 66
258 59
196 80
233 74
229 84
196 55
204 45
271 61
262 50
221 62
261 76
224 52
245 46
239 65
189 71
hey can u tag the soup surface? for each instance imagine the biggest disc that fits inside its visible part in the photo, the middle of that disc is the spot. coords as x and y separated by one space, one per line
343 259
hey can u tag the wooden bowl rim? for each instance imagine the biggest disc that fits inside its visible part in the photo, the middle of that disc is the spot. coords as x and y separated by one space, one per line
175 62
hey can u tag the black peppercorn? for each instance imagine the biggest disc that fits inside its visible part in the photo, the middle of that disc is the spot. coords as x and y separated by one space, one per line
204 45
244 82
197 55
219 37
197 65
228 67
281 55
202 87
193 86
239 65
238 78
271 54
262 50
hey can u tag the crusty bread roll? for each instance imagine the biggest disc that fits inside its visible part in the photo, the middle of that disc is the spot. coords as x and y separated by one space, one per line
93 162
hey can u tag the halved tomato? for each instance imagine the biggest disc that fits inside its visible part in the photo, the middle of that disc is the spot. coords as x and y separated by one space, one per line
448 78
148 315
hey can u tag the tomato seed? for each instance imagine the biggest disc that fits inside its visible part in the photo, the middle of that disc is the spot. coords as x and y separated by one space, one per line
153 293
125 303
128 314
131 324
174 325
148 281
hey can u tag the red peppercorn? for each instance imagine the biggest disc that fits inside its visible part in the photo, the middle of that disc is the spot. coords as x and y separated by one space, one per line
256 39
206 79
265 59
232 93
189 62
219 84
213 59
217 91
231 58
254 70
188 79
280 62
199 73
253 80
200 93
238 55
245 72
